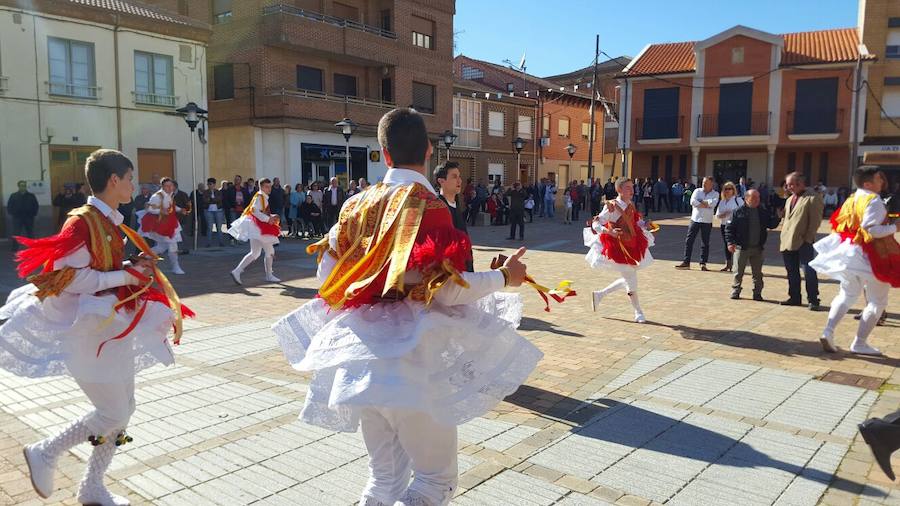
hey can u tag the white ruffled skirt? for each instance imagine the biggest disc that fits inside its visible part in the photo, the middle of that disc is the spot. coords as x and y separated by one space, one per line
61 336
836 259
454 363
245 229
596 259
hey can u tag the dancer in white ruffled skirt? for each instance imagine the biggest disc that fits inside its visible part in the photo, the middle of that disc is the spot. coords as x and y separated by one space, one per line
402 342
618 240
90 317
262 229
863 255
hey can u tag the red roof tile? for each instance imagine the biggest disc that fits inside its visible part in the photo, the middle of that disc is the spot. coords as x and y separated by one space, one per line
803 48
670 58
825 46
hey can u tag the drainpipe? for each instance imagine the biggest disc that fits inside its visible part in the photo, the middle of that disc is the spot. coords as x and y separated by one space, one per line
625 122
118 92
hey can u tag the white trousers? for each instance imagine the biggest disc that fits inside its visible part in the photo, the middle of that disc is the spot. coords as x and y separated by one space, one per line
851 288
113 405
629 282
162 247
256 248
400 441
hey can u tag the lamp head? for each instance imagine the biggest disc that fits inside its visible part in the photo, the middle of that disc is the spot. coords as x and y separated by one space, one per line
192 114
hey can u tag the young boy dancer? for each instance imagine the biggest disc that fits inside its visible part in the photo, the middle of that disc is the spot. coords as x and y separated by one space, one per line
618 240
259 227
402 341
863 255
91 316
160 223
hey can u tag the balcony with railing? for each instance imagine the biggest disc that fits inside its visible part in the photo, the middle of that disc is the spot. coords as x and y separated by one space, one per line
734 125
658 130
308 104
153 99
61 89
288 26
826 123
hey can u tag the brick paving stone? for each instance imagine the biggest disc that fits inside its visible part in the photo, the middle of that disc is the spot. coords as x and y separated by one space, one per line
672 409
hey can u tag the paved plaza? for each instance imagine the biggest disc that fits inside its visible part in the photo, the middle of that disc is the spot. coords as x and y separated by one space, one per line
713 401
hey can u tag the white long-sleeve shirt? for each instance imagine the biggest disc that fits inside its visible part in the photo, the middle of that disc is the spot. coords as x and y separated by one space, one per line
703 214
481 284
874 216
159 201
606 216
259 205
727 208
88 280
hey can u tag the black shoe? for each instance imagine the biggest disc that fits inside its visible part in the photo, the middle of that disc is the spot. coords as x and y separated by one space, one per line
858 316
703 267
735 295
683 266
791 302
510 238
814 306
758 297
883 439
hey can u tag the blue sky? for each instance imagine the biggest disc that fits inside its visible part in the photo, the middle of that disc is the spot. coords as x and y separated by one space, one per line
559 34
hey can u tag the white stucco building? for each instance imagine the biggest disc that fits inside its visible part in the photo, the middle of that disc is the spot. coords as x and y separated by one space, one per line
81 75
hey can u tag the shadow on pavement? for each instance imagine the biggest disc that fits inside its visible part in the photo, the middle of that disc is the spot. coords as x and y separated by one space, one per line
624 424
780 345
529 323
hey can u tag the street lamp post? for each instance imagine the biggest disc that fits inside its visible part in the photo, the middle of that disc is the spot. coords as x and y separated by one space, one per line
348 127
193 114
519 145
448 139
571 149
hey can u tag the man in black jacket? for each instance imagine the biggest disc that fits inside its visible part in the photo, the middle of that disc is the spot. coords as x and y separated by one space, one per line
517 197
448 183
22 206
746 238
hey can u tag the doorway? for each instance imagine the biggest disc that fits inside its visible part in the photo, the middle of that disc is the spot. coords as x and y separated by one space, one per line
67 166
155 164
729 170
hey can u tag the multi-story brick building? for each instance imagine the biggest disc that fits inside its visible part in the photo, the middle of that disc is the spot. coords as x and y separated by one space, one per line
879 25
283 73
78 75
744 103
486 124
562 113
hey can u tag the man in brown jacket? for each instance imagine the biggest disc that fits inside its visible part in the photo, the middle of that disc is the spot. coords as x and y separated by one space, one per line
802 216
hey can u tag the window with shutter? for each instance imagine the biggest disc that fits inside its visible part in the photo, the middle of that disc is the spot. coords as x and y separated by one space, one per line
422 32
223 81
495 123
524 130
309 78
467 123
563 127
345 85
221 11
423 97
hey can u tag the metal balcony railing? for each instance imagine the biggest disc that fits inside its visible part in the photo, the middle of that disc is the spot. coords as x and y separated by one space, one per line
154 99
316 95
723 125
324 18
72 90
819 121
662 127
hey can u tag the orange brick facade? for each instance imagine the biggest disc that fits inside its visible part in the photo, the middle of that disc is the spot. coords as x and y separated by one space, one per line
776 140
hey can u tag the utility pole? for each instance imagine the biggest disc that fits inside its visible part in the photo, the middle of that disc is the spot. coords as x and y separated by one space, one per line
593 112
854 141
